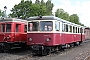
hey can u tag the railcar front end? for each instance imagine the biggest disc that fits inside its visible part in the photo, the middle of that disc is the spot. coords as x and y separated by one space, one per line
41 36
12 34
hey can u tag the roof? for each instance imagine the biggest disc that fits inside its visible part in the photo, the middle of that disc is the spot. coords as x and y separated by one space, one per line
87 28
12 20
51 18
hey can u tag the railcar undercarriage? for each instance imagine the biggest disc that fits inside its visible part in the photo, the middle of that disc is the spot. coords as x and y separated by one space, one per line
45 50
6 47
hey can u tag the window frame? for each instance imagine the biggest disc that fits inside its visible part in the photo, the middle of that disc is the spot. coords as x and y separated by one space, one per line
19 29
2 27
10 27
58 26
28 26
47 29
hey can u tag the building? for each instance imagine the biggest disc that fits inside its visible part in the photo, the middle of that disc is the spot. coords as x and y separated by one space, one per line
87 33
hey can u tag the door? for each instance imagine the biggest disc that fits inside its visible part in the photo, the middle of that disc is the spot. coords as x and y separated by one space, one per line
17 32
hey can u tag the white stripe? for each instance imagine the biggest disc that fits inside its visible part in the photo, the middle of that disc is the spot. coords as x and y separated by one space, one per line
12 32
56 32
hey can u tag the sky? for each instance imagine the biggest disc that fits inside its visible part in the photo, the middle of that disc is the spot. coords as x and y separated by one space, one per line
79 7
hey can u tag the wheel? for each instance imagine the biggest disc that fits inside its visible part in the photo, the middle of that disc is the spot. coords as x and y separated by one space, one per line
1 51
6 48
77 43
72 45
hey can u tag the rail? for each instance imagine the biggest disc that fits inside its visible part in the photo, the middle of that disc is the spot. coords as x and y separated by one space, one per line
87 58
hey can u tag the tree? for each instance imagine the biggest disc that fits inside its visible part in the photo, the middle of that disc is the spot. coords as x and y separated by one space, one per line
1 13
81 24
49 7
37 2
37 10
74 18
43 3
62 14
22 9
26 9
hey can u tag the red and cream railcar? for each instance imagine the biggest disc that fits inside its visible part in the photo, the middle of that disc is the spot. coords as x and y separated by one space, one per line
48 33
12 33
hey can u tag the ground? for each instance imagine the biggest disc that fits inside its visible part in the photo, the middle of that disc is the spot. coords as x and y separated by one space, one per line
76 53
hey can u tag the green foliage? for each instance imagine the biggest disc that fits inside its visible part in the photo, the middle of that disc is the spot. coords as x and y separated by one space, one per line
81 24
37 2
43 3
49 7
74 18
22 9
1 13
62 14
26 9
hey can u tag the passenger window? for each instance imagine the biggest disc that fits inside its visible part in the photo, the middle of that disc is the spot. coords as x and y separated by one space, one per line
8 27
25 28
63 28
78 30
17 27
3 28
66 28
70 28
73 29
81 31
57 26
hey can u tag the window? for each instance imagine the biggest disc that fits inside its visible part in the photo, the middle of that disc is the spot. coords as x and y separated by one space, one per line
33 26
46 26
57 26
17 27
78 30
3 28
66 28
70 28
81 31
63 28
8 27
25 28
73 29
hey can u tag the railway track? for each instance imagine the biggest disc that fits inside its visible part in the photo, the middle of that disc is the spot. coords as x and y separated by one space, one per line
25 54
87 58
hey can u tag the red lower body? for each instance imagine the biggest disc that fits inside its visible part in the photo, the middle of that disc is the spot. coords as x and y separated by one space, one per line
55 38
12 40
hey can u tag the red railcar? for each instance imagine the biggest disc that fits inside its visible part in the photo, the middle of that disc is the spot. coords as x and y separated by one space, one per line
48 33
12 33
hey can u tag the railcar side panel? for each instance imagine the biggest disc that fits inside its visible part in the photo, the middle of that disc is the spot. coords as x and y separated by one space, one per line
1 37
57 39
23 37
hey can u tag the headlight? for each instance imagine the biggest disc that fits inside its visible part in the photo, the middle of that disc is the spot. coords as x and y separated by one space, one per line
8 37
30 39
48 39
